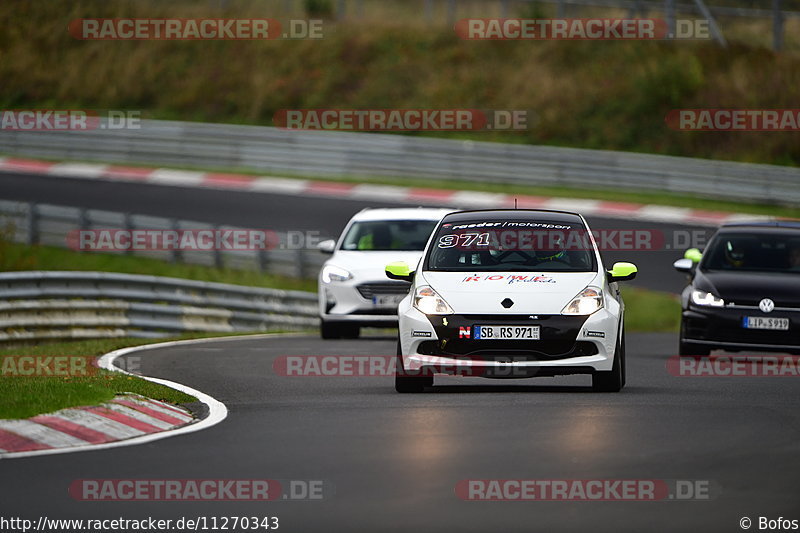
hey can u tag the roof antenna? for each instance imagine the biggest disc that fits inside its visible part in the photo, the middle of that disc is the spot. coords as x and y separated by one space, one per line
515 203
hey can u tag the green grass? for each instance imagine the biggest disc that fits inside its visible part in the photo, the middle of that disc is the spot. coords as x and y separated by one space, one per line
651 311
15 256
24 397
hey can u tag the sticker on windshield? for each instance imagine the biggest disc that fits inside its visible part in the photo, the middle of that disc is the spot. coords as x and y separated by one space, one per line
510 278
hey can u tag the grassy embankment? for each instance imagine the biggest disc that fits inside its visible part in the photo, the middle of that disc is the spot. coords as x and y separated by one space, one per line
604 95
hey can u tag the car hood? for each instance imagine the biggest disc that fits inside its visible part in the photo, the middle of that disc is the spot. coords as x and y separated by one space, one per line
749 288
544 293
372 265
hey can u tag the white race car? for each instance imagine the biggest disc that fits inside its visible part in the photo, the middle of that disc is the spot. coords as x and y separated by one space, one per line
353 289
507 294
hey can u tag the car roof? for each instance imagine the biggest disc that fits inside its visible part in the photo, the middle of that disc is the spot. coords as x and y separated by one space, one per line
514 214
771 226
401 213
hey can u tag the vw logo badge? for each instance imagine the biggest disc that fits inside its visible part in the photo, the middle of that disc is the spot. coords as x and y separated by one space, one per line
766 305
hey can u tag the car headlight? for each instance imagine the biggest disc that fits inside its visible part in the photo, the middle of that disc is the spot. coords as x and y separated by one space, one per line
429 302
334 273
706 298
588 301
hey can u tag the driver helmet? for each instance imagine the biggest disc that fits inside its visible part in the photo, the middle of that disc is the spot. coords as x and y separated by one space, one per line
734 254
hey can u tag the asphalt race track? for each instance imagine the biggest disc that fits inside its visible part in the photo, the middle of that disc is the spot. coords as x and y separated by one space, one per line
393 460
327 216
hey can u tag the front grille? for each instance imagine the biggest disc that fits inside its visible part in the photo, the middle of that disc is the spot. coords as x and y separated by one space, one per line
752 305
729 329
368 290
380 311
505 350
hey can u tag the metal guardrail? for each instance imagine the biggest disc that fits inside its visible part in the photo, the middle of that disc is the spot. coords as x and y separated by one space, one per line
66 304
50 225
450 10
345 154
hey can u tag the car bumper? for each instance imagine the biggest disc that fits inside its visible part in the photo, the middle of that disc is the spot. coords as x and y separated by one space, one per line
348 302
722 328
567 345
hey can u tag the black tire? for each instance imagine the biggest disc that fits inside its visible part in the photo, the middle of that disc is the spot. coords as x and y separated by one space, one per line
327 330
614 379
350 331
337 330
690 349
408 384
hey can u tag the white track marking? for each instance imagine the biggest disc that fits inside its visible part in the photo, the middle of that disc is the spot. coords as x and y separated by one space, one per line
138 416
279 185
174 413
475 199
41 434
572 204
80 170
217 410
96 422
664 213
182 178
384 193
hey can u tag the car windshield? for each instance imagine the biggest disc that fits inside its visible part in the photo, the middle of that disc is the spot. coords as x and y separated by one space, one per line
758 253
378 235
511 246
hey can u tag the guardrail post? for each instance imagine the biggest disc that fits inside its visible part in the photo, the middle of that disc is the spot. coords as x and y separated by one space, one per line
451 11
83 219
636 9
301 263
712 23
669 15
218 262
262 260
340 9
777 26
428 10
32 235
561 11
127 223
176 256
504 8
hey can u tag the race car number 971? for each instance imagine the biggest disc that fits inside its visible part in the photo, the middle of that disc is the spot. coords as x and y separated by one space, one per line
464 240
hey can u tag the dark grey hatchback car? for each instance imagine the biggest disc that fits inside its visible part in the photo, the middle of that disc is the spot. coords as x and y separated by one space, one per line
744 290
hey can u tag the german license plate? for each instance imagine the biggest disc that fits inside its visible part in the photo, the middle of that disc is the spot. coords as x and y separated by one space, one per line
387 300
761 322
506 333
